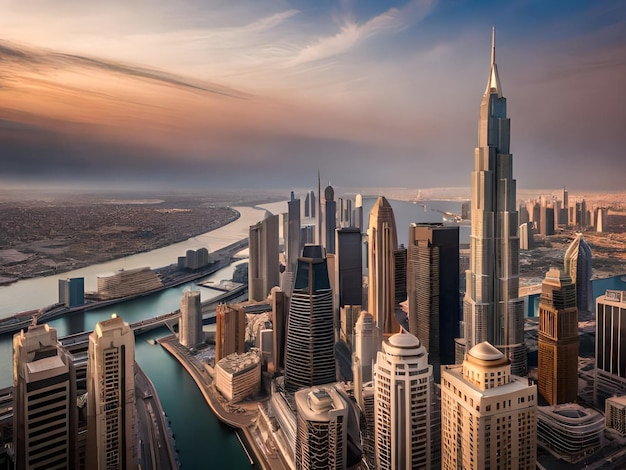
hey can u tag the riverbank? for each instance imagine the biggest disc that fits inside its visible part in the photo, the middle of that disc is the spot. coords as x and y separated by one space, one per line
243 416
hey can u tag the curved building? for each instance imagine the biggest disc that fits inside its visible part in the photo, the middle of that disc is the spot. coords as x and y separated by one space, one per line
492 309
382 242
310 345
578 266
569 432
402 381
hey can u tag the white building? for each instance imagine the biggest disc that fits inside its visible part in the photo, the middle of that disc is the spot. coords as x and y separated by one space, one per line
237 376
111 439
402 381
488 416
322 429
365 345
190 325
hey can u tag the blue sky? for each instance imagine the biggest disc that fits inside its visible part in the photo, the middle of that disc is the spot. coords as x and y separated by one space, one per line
263 93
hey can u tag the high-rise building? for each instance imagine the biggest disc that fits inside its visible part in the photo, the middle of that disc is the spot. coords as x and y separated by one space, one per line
558 339
399 275
349 266
111 439
402 382
263 268
365 344
190 324
577 262
322 429
610 346
44 401
314 204
230 330
357 212
72 291
329 220
565 199
307 205
279 327
433 290
492 309
382 242
488 416
348 316
293 233
546 222
526 239
310 350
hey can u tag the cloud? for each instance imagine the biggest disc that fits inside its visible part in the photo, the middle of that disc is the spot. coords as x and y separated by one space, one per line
352 34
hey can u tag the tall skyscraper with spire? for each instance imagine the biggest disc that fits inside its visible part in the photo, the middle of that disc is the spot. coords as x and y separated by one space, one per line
492 309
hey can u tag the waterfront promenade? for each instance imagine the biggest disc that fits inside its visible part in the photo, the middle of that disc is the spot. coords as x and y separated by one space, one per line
243 416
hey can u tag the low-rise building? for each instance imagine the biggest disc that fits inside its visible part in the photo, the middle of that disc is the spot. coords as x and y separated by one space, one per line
237 376
569 432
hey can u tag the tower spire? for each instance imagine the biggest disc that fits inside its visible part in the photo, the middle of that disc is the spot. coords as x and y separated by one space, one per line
493 84
493 46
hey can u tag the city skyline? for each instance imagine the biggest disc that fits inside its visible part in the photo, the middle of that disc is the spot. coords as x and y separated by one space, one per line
199 93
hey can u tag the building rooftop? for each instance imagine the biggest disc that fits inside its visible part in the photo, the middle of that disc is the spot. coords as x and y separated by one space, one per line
235 363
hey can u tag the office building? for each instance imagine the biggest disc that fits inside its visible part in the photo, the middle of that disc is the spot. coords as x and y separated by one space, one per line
263 269
190 324
524 217
433 290
348 316
615 415
402 382
230 330
610 346
307 206
492 309
44 401
558 339
310 342
329 221
111 420
526 239
399 263
72 291
128 282
577 263
382 242
488 415
602 219
322 429
357 212
349 266
279 303
238 376
365 344
546 223
569 432
314 204
292 235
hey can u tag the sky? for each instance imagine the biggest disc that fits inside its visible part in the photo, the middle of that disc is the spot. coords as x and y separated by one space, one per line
264 93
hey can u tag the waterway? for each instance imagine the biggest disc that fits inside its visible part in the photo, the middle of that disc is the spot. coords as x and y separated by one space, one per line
201 439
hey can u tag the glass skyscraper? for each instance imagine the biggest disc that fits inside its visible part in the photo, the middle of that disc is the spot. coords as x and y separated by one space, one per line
492 309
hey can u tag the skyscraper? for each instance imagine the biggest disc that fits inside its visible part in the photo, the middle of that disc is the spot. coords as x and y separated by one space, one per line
190 325
365 344
322 429
382 241
488 416
349 266
310 350
293 233
492 309
402 381
111 440
329 220
230 330
357 215
610 346
44 401
433 290
558 339
577 262
263 265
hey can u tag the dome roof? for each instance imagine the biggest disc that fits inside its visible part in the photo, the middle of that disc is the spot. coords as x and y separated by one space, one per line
404 340
486 352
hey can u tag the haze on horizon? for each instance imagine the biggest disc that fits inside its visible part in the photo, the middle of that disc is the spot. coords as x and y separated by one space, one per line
263 93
